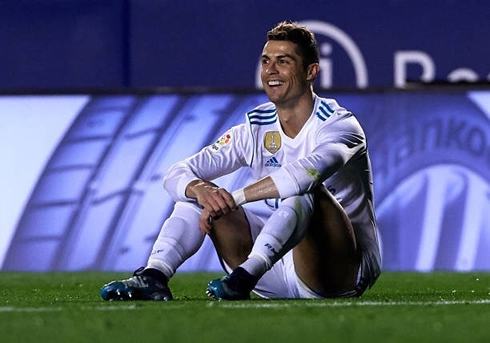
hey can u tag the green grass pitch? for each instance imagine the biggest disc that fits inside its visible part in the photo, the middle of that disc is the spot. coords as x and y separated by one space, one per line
401 307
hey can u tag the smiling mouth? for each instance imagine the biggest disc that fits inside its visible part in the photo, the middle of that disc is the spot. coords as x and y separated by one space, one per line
274 83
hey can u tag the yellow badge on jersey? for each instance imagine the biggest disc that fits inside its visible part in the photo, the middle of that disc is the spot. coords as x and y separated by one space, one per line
272 141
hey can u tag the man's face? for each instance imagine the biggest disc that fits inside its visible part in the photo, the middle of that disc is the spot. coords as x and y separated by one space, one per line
283 75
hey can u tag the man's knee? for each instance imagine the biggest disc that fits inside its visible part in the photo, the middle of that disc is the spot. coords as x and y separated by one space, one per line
303 205
232 238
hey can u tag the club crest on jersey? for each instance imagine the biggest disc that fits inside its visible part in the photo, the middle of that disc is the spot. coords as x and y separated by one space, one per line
272 141
221 142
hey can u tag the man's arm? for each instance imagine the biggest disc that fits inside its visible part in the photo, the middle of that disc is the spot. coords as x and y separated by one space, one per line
218 201
260 190
214 200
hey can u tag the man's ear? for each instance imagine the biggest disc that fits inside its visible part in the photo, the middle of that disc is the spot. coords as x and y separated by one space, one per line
312 71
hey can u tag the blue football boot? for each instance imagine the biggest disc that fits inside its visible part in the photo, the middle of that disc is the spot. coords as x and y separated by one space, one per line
137 287
235 286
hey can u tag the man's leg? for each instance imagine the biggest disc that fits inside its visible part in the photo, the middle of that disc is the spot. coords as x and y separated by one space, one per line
280 233
327 259
178 240
325 254
232 238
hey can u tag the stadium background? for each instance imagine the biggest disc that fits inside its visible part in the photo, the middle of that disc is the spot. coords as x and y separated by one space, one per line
99 98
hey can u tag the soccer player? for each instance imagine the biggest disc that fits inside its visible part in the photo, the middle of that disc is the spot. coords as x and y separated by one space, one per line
310 161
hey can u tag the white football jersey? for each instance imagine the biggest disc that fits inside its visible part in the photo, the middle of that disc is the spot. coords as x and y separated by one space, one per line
330 149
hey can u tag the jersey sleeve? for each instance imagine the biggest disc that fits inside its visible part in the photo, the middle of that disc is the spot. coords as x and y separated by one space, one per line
336 144
222 157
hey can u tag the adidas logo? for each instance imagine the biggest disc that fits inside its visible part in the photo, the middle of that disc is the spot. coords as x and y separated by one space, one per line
272 162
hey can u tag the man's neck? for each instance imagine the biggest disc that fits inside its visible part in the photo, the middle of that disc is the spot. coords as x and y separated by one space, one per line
294 116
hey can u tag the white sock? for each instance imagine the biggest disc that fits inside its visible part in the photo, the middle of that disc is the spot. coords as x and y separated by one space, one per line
255 265
178 240
284 229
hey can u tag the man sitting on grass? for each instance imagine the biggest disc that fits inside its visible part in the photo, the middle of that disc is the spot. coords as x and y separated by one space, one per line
310 161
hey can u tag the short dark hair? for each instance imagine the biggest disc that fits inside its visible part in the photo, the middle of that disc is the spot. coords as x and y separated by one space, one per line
301 36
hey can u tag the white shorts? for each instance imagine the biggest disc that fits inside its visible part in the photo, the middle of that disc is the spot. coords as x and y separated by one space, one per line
281 281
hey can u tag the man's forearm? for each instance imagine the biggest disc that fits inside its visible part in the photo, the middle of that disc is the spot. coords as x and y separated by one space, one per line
190 190
260 190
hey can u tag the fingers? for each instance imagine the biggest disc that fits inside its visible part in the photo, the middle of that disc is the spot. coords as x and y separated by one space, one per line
206 223
217 201
224 201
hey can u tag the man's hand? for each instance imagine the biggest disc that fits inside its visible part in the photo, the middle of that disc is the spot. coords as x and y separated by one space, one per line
216 202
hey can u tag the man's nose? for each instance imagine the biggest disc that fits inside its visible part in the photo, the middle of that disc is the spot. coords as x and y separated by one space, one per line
271 68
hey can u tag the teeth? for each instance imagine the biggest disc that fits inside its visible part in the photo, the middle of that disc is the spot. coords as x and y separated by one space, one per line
275 83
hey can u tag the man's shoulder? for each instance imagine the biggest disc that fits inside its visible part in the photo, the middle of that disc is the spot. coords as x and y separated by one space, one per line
263 114
329 113
330 106
267 107
334 117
